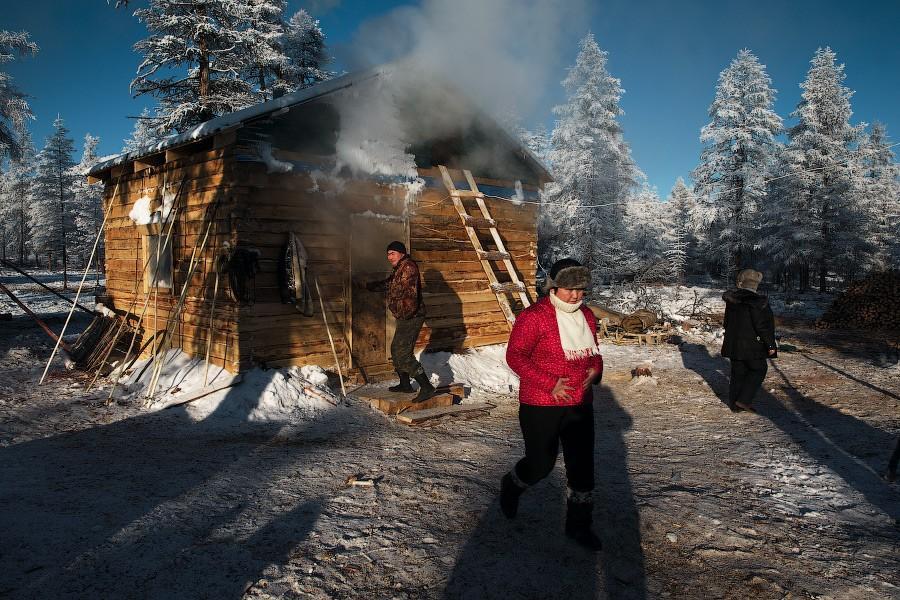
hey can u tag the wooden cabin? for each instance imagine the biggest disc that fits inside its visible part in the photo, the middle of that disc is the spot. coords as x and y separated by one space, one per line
251 178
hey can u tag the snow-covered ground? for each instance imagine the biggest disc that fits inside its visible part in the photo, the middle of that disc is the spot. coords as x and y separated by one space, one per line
123 500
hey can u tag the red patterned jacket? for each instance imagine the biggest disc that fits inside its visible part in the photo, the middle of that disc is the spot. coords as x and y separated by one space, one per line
536 355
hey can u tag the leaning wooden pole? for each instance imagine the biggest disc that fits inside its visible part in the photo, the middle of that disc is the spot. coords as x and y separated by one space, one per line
37 319
172 217
83 278
337 362
10 265
209 333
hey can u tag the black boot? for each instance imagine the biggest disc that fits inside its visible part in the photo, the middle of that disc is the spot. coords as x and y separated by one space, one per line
510 491
404 385
426 390
579 516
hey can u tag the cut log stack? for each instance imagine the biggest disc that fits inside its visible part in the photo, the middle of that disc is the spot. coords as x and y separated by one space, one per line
870 303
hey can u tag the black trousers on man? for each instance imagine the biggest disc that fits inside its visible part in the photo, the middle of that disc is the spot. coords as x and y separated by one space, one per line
543 429
746 378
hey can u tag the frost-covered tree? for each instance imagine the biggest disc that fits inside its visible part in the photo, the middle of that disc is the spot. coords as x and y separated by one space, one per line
51 216
880 196
144 133
14 109
739 144
195 59
682 238
583 209
648 222
17 197
303 43
819 221
86 203
266 59
538 141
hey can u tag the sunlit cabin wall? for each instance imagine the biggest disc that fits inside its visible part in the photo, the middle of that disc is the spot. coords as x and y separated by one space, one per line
207 177
463 312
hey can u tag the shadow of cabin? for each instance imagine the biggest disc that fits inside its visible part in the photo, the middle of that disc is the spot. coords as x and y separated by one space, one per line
244 182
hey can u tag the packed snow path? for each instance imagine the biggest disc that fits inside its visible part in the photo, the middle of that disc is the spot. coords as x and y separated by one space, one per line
692 501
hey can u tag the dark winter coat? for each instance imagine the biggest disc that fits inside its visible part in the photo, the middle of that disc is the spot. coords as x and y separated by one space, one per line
404 290
535 354
749 325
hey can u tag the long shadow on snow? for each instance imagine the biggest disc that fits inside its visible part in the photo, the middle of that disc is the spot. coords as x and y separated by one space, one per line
530 557
152 507
848 446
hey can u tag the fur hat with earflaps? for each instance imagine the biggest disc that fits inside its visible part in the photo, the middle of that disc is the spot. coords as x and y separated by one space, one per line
748 279
568 273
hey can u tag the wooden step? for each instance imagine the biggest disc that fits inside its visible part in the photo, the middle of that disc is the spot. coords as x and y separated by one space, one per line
479 223
492 255
413 418
392 403
507 287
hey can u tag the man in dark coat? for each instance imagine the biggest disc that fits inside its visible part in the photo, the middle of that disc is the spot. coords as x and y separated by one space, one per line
404 299
749 339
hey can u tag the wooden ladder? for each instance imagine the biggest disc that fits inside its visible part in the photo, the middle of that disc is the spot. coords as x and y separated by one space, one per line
485 256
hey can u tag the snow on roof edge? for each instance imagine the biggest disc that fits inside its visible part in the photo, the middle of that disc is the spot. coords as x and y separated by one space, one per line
217 124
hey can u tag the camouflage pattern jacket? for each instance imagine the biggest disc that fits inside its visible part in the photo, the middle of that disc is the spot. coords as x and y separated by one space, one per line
404 290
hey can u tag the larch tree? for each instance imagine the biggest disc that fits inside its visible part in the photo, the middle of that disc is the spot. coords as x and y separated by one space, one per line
18 194
880 194
303 43
583 208
52 215
739 145
87 208
683 240
195 60
820 210
14 109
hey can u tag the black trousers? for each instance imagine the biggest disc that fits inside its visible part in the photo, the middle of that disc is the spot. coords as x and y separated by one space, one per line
746 378
543 428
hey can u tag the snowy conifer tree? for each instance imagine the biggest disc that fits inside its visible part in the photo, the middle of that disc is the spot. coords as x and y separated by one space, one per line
14 110
86 203
819 221
266 59
17 190
880 194
683 241
649 223
303 44
194 60
739 146
538 141
144 133
51 216
583 209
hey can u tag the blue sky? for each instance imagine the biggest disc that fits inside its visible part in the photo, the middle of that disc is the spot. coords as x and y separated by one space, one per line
668 55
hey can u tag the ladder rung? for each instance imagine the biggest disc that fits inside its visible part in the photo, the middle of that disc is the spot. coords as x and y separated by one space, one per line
492 255
466 194
479 222
507 287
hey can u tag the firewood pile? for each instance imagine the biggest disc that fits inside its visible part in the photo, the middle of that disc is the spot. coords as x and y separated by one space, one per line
871 303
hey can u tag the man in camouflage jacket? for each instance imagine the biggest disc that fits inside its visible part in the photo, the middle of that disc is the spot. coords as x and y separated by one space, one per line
403 291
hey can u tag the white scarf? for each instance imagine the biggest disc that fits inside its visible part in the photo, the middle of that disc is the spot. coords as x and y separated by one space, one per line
574 332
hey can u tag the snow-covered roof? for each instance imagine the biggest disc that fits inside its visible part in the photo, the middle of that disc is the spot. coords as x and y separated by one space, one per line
240 117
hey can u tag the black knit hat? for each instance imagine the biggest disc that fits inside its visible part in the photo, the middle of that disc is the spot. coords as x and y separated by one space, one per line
397 247
568 273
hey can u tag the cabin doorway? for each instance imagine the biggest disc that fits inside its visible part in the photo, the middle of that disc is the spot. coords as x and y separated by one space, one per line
372 325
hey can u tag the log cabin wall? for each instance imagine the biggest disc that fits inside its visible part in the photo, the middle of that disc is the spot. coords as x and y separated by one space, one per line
208 177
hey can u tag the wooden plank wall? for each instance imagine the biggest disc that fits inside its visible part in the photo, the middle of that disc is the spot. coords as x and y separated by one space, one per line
208 177
462 310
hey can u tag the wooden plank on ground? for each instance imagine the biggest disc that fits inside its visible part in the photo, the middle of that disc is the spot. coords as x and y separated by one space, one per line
412 418
392 403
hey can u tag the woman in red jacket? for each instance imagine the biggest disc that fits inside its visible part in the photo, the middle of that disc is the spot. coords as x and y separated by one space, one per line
553 349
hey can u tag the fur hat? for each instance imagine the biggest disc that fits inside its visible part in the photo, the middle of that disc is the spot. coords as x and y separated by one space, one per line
568 273
748 279
397 247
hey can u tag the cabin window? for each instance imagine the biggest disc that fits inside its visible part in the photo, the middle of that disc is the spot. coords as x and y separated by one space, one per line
157 252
